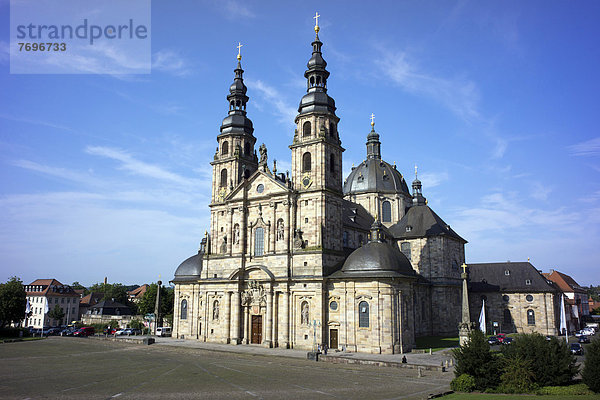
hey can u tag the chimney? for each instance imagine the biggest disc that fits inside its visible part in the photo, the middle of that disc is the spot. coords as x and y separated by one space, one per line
105 280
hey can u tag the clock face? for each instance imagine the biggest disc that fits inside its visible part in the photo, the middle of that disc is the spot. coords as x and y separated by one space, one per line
306 181
222 193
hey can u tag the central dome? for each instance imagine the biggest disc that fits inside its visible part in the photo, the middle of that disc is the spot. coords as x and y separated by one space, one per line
375 175
377 259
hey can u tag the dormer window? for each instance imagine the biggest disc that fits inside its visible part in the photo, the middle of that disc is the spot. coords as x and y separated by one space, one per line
528 281
408 228
506 272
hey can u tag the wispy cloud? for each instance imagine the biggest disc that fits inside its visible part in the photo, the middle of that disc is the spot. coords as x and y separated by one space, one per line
58 172
138 167
236 9
588 148
540 191
433 179
171 62
283 109
460 96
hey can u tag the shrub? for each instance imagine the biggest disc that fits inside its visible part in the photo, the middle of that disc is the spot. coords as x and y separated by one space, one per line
551 361
571 390
463 383
517 376
136 324
591 369
475 358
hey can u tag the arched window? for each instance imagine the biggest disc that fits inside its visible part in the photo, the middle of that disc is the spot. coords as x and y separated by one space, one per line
360 239
306 129
332 163
530 317
345 238
405 248
332 129
312 81
363 314
183 309
225 148
223 182
507 316
247 148
386 211
318 81
259 242
306 162
231 105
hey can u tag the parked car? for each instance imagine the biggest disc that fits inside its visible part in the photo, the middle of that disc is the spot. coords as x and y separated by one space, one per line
584 339
68 331
109 331
501 337
134 331
507 340
576 349
121 332
163 331
493 340
85 331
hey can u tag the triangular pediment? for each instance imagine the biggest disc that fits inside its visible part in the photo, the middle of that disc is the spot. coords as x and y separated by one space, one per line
259 184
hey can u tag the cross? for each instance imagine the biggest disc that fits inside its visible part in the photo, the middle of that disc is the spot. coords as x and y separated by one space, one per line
415 171
464 267
372 119
239 47
316 17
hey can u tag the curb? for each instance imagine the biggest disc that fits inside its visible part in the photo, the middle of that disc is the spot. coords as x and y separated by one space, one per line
344 360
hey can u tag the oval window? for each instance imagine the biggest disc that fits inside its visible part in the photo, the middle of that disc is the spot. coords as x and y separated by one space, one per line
333 305
529 297
260 188
505 297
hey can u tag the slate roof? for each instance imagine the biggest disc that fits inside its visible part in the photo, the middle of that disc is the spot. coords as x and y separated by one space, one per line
190 269
376 259
375 175
109 307
492 277
356 216
423 222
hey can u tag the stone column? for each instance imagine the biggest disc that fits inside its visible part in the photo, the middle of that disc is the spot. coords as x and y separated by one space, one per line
268 342
235 325
275 319
227 327
246 324
288 228
274 228
286 319
230 238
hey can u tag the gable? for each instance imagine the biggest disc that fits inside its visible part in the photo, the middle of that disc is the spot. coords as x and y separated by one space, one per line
269 186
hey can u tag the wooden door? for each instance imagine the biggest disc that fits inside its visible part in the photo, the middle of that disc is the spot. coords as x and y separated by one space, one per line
333 338
256 334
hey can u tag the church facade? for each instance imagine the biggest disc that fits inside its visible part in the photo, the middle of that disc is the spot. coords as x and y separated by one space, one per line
307 257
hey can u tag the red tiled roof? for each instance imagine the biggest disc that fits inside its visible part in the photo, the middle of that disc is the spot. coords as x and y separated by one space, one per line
91 299
51 287
564 282
139 291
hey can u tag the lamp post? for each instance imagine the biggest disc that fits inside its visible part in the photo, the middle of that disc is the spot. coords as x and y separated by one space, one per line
315 324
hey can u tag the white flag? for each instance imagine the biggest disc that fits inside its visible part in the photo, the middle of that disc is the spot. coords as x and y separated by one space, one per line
27 307
482 318
563 319
46 308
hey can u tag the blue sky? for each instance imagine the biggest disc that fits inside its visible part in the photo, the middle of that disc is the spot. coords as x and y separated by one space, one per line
495 101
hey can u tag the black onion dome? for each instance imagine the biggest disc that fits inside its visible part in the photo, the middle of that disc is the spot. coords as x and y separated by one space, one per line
376 259
375 175
190 269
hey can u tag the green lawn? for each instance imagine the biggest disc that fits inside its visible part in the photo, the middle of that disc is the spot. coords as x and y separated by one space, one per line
483 396
2 339
436 342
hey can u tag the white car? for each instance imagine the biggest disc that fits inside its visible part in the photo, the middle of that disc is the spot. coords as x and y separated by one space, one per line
121 332
163 331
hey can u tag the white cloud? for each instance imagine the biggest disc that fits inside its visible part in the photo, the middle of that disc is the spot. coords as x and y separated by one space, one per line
62 173
540 192
171 62
234 9
285 111
588 148
433 179
460 96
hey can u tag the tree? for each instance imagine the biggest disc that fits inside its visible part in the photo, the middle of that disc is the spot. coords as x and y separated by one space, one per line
148 302
591 369
111 291
78 286
551 361
12 301
474 358
56 313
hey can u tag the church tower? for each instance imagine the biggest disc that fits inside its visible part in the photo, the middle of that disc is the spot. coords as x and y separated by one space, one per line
235 158
317 160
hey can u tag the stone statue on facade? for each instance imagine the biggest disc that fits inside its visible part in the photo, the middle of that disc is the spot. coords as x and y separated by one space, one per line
263 156
298 241
305 314
224 245
280 230
216 310
255 294
236 234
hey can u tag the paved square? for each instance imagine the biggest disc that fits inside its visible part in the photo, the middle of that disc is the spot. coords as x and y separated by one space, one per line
84 368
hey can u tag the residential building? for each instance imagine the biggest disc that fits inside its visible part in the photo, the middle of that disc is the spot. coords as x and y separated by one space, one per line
46 294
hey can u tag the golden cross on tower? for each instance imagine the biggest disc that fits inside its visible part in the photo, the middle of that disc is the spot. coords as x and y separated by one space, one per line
464 267
372 119
415 171
239 47
316 17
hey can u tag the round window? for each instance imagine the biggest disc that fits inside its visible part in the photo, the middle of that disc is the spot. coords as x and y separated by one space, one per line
333 305
260 188
505 297
529 297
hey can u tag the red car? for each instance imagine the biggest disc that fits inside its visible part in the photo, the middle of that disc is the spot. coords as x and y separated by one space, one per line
501 337
85 331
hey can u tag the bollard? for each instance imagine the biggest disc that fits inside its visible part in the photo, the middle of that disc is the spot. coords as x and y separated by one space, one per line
447 363
420 372
430 351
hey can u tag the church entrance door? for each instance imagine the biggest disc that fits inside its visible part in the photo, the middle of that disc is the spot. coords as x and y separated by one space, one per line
333 338
256 335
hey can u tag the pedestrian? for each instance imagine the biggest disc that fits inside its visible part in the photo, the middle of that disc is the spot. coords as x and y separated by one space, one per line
403 359
325 349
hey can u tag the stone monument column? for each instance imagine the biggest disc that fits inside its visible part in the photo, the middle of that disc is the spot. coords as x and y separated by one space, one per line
227 321
466 326
268 342
235 325
285 312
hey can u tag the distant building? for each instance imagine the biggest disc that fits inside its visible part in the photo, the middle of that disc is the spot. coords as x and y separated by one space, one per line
50 292
106 311
576 298
137 294
87 301
517 298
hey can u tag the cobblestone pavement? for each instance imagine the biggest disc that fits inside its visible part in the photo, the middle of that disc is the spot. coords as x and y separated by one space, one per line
74 368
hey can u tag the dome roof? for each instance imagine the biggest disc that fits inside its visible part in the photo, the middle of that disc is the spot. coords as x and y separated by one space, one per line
377 259
316 101
375 175
190 269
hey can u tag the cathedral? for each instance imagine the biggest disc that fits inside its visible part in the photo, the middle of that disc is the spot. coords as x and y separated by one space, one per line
309 257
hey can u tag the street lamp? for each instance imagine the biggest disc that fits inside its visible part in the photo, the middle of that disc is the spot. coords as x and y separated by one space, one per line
315 324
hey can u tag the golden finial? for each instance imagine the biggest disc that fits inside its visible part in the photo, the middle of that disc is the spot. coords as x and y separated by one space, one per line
415 171
316 17
239 47
528 259
372 120
464 267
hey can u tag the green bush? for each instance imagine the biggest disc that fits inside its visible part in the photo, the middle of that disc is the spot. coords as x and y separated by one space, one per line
475 358
11 332
114 324
136 324
463 383
517 376
591 369
551 361
571 390
99 328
